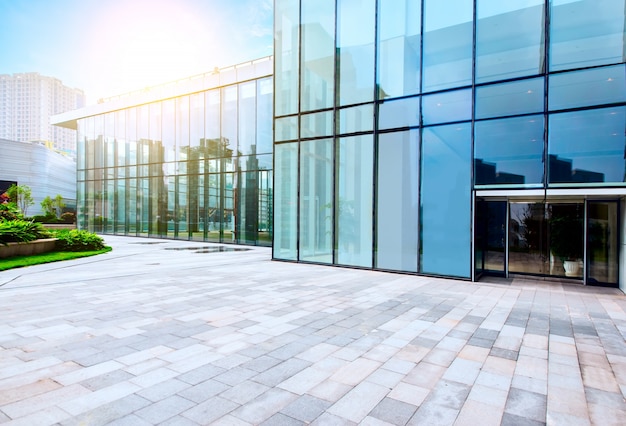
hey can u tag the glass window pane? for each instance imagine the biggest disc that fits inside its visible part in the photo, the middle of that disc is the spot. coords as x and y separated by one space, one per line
317 124
182 127
356 119
229 118
264 106
286 128
316 200
518 97
587 147
247 118
285 202
585 33
590 87
286 55
447 107
399 48
446 200
397 201
318 54
447 44
399 113
353 211
355 44
509 39
509 152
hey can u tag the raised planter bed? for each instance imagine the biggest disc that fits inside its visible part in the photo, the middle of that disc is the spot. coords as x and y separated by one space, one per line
26 249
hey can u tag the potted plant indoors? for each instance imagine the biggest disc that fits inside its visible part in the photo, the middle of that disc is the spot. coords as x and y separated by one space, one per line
566 241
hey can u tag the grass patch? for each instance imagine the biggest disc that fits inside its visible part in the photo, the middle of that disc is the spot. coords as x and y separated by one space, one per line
53 256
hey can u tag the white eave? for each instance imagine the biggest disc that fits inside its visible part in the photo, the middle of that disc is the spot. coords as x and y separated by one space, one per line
251 70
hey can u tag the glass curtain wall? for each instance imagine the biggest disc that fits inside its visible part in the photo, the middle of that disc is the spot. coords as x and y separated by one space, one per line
494 96
193 167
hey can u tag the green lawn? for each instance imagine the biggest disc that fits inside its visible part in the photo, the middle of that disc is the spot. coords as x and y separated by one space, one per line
53 256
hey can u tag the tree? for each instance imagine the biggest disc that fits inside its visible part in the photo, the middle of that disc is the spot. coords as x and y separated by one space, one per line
53 206
22 196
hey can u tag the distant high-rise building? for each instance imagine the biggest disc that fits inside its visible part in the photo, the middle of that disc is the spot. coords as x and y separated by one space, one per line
27 100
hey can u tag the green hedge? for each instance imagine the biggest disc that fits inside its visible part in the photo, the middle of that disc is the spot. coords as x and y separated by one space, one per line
12 231
78 240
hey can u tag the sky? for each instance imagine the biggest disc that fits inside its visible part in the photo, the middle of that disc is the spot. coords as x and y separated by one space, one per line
110 47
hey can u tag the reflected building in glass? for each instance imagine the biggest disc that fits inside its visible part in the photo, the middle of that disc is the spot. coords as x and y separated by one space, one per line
190 160
415 137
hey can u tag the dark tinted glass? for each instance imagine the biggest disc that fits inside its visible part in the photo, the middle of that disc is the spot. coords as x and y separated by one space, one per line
509 152
587 147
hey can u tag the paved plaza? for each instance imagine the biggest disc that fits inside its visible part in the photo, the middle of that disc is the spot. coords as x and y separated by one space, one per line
180 333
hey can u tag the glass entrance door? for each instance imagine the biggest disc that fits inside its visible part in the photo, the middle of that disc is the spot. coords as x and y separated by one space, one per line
602 243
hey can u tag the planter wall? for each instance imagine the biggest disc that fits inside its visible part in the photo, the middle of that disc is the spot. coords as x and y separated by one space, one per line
26 249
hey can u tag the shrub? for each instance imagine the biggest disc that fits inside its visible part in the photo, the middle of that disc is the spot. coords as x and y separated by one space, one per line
68 217
78 240
21 231
48 218
9 211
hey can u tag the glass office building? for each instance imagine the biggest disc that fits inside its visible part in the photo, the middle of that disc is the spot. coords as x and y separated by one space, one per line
483 137
190 160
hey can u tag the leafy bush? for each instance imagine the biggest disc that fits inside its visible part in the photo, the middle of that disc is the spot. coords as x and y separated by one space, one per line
21 231
48 218
9 211
78 240
68 217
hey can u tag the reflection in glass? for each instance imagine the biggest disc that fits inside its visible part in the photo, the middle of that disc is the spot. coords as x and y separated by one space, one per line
587 146
286 128
518 97
353 203
586 88
318 54
229 117
602 242
286 66
316 124
397 201
448 45
285 201
399 113
527 239
247 118
355 46
316 200
446 200
398 48
447 107
356 119
509 151
509 39
264 107
584 33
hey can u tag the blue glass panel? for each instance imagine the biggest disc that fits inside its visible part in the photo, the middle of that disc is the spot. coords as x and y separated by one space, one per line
316 124
399 113
509 39
285 201
585 33
286 128
587 147
399 47
356 25
518 97
446 200
286 55
354 199
447 45
318 54
447 107
316 200
509 151
589 87
397 201
356 119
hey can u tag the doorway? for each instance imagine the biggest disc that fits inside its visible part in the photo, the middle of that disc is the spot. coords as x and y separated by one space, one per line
572 239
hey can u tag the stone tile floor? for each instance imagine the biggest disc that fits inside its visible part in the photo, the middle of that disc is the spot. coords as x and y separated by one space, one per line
154 333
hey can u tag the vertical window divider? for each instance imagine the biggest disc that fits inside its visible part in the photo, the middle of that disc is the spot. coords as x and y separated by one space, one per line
471 177
375 141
